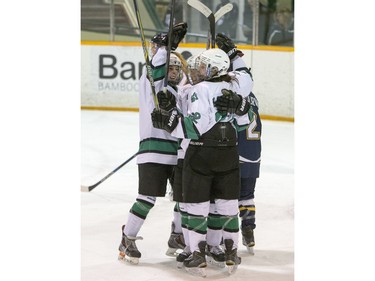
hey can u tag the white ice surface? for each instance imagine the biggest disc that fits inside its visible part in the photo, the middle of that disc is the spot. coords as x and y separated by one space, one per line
108 139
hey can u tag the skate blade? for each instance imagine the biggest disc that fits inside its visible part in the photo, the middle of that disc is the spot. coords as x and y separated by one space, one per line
250 250
197 271
125 259
212 261
173 252
232 268
180 265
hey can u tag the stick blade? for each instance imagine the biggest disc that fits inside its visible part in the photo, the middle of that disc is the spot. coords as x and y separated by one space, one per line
223 10
85 188
200 7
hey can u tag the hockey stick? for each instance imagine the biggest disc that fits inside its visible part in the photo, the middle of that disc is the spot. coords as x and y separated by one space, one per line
146 55
208 14
221 12
170 31
91 187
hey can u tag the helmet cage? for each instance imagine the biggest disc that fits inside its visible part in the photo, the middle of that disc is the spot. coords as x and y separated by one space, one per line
194 76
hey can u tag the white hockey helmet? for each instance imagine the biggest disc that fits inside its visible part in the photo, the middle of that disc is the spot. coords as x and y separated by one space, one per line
214 62
174 78
193 70
191 62
174 60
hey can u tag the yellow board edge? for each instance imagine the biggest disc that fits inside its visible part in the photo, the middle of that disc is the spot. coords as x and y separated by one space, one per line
191 45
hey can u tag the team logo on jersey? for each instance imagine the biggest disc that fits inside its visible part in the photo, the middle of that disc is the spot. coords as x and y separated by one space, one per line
194 97
195 116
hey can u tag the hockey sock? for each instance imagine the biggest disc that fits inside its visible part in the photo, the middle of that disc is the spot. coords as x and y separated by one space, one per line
230 223
197 223
177 219
138 214
197 226
247 213
142 206
184 223
133 225
214 229
231 229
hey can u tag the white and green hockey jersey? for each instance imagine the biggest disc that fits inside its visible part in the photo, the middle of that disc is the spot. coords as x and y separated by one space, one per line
201 112
182 105
156 145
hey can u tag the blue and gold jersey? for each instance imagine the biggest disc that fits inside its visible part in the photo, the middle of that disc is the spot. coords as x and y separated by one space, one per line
249 143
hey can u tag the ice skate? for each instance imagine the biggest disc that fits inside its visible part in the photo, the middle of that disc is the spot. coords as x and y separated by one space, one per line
176 243
248 239
196 264
231 259
128 249
215 256
182 257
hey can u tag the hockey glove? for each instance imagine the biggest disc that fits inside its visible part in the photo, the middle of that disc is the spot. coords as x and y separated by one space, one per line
230 102
226 44
178 33
166 100
165 120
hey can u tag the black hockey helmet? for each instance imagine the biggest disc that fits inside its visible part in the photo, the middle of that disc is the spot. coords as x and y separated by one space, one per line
160 39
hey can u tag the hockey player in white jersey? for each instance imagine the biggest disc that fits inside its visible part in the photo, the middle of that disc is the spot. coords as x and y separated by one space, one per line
178 80
215 255
249 147
214 252
167 103
157 153
237 65
211 166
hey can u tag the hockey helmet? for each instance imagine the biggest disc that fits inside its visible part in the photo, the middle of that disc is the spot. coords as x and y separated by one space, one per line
161 39
214 63
175 70
174 60
191 62
193 73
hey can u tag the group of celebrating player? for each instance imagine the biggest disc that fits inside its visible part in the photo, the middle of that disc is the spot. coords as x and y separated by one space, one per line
202 134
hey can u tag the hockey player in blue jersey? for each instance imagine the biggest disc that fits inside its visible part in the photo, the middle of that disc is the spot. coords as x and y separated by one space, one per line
249 147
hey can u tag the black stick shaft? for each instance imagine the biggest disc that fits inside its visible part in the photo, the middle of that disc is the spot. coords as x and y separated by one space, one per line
170 31
91 187
146 54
